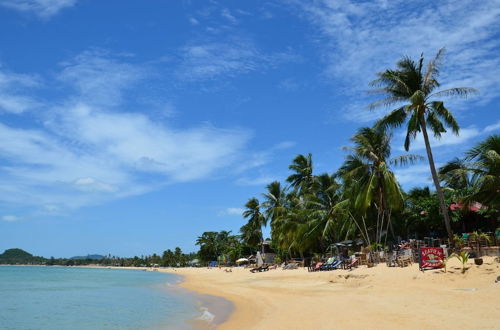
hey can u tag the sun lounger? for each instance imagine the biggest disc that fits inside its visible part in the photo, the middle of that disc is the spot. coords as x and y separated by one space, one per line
336 264
259 269
331 264
316 267
348 264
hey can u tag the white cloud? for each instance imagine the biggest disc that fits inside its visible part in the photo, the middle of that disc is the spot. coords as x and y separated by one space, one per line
492 127
211 60
10 218
231 211
193 21
260 180
100 78
13 89
417 175
447 139
284 145
42 8
88 150
226 13
360 38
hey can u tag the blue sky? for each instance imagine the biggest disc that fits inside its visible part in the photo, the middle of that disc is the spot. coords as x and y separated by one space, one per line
129 127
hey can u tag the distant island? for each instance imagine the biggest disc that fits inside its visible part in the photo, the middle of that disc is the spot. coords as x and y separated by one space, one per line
18 256
169 258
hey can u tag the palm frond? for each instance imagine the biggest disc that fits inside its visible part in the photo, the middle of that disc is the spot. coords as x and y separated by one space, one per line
394 119
446 115
462 92
430 82
412 129
435 124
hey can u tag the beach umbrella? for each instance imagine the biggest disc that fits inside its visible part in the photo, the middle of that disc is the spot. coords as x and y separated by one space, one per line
240 260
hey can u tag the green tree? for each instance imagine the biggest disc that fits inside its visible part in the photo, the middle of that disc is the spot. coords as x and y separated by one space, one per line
366 172
209 246
302 178
274 201
485 166
410 82
251 232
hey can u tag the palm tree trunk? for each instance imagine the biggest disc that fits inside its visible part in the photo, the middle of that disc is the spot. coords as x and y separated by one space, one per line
439 191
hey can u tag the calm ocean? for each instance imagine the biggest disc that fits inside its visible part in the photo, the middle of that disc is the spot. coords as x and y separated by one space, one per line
83 298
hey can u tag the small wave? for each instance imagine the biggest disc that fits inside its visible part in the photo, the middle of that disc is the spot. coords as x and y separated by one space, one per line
206 315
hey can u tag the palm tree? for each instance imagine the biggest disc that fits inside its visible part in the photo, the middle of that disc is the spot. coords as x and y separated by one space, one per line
303 177
411 83
485 166
369 180
328 211
274 200
251 232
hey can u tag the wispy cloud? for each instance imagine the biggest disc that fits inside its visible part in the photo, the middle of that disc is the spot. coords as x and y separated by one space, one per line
43 8
362 38
210 60
492 127
100 78
226 13
231 211
10 218
448 139
14 92
259 180
87 149
416 175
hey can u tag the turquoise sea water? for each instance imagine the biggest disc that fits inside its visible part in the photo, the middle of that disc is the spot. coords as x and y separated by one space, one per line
84 298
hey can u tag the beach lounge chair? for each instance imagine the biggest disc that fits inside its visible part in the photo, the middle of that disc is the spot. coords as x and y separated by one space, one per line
336 264
348 264
331 264
255 269
316 267
259 269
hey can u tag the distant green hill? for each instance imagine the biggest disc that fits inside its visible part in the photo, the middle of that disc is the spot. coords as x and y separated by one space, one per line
89 257
18 256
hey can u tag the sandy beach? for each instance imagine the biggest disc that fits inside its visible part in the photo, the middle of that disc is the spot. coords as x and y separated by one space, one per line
374 298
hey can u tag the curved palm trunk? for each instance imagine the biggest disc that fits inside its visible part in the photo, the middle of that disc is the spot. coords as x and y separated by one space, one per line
439 191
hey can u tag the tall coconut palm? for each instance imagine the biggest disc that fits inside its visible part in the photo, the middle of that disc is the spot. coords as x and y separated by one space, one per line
369 180
302 178
251 232
274 200
410 82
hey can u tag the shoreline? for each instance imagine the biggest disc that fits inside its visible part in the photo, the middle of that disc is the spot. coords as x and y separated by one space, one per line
379 297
